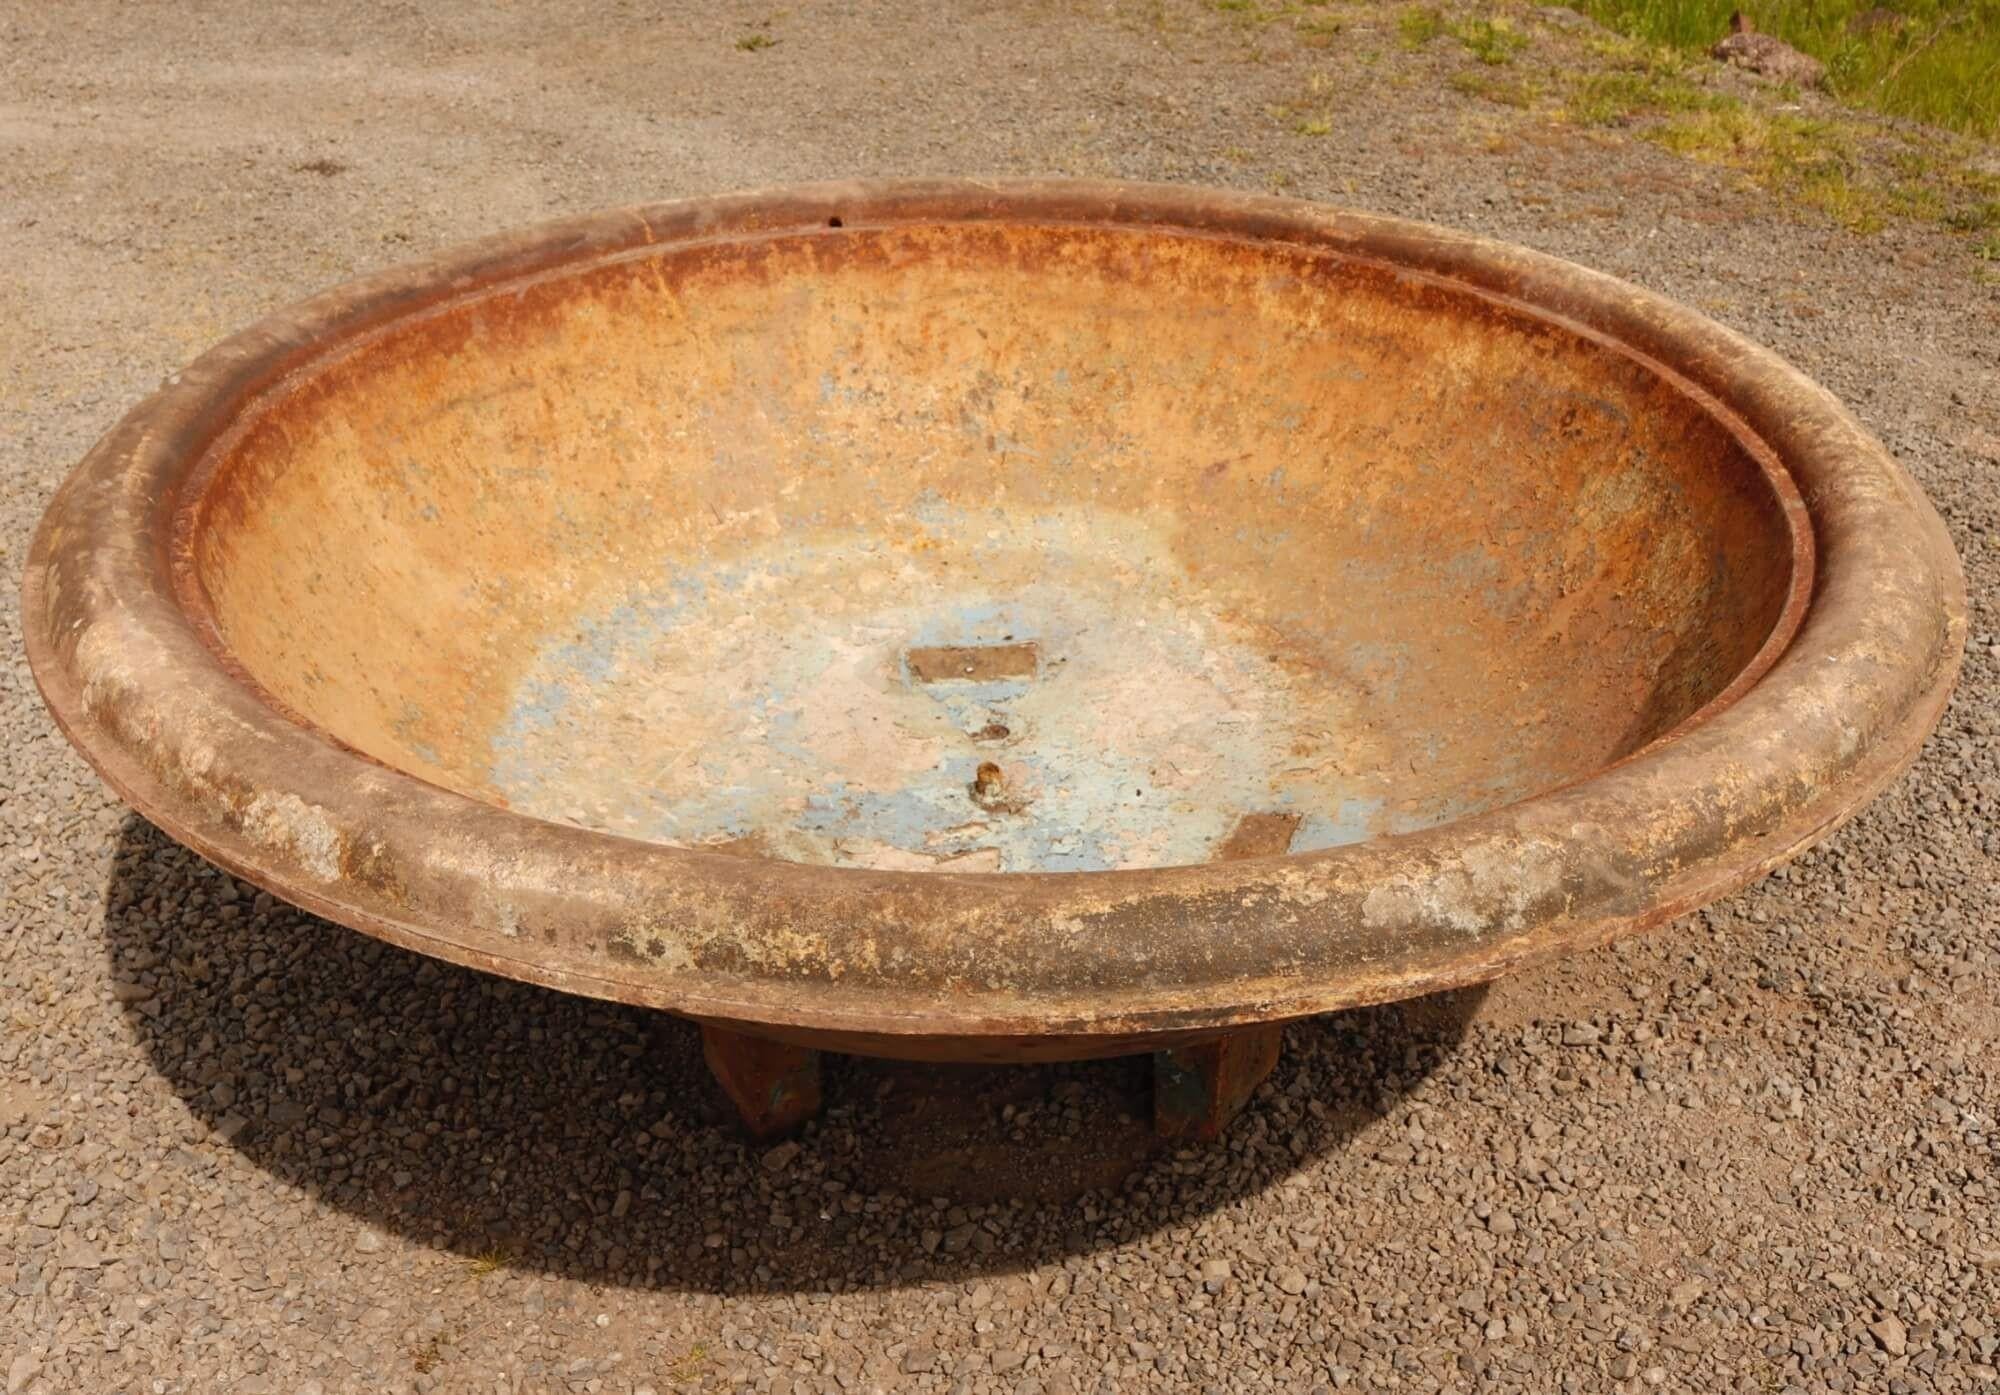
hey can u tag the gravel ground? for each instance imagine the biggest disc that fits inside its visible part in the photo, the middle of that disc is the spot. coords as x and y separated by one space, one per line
241 1149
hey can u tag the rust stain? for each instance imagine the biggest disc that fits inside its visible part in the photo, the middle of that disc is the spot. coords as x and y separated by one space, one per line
1510 556
1260 835
972 663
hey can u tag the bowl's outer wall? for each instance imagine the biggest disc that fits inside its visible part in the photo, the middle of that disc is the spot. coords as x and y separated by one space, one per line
1001 967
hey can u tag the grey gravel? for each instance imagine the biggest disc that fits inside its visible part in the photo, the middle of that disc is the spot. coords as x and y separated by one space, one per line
244 1150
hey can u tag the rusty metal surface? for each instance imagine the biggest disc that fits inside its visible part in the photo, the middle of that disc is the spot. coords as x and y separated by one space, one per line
774 1086
1198 1089
584 606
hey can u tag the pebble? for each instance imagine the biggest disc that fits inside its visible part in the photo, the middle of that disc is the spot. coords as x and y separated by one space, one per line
49 1210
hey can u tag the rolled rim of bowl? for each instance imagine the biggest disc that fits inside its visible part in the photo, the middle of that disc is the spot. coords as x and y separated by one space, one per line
1836 705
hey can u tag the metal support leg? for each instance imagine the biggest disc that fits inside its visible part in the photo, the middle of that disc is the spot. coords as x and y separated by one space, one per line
1198 1089
774 1086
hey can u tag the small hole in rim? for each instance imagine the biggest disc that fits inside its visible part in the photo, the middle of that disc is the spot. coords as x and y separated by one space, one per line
834 222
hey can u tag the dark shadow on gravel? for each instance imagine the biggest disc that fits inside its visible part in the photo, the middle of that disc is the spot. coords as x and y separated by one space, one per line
584 1139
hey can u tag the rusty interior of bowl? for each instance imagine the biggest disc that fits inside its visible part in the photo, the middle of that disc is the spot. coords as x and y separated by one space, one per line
989 548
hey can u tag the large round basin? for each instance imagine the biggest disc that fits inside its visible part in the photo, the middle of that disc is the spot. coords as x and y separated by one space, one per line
993 620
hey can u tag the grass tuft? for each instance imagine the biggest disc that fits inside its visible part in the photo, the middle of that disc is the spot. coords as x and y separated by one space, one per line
1936 61
1312 113
1508 92
1855 171
488 1262
1491 41
1977 217
1312 20
689 1368
1317 30
1418 25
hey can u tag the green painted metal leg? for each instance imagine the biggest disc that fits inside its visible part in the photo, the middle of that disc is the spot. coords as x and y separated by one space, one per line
1198 1089
774 1086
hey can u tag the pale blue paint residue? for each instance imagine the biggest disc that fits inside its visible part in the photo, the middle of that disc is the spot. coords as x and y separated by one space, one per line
1350 821
768 695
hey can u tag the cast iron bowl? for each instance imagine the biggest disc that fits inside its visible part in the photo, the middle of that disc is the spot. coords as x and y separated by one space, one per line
993 620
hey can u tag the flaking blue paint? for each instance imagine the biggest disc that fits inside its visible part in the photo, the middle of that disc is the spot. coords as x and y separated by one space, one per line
1085 802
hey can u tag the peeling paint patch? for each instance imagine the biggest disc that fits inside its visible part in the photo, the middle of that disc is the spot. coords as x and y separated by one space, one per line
833 700
651 945
1489 886
288 823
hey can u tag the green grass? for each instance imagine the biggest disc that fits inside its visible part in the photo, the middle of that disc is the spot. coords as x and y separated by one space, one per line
689 1368
1418 26
1311 19
1653 89
1491 41
1974 217
1317 30
1941 65
1634 80
1311 114
1509 92
1811 161
751 43
1271 11
488 1261
1849 167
